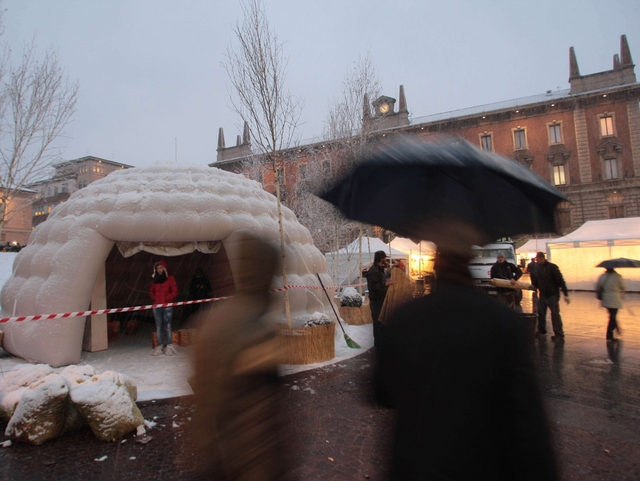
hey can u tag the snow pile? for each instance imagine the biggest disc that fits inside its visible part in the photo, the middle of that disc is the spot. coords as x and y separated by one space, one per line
351 298
41 404
40 414
14 384
106 404
317 319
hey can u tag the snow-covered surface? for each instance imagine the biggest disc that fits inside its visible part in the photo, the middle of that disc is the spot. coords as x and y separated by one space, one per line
58 269
160 377
163 376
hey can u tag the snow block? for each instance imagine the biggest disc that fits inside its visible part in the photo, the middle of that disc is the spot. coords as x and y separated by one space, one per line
40 414
15 383
107 406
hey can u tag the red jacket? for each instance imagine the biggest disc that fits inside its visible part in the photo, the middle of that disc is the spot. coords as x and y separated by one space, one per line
166 291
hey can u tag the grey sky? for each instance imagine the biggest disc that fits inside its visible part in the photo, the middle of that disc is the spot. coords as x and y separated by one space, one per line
149 70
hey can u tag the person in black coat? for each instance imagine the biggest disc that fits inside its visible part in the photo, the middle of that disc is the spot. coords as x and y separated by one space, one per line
377 284
548 280
509 271
456 365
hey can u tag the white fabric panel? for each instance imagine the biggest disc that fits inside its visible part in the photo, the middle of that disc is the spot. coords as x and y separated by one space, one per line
164 204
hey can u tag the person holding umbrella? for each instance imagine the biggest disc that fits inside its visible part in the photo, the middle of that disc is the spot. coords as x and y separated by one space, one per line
548 281
611 286
456 364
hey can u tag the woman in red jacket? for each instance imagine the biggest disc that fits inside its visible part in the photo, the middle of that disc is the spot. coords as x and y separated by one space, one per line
163 290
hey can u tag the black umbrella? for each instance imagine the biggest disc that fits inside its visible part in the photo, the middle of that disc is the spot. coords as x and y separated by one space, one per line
620 262
412 189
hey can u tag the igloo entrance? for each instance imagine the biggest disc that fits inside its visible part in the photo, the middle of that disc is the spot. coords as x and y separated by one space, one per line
125 282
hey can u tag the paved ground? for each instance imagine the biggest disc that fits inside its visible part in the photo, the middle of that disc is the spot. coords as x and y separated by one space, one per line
592 391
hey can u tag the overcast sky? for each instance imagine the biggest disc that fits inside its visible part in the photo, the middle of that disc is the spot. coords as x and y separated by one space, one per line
149 70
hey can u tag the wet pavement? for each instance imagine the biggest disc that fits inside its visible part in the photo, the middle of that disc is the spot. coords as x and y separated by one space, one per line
592 391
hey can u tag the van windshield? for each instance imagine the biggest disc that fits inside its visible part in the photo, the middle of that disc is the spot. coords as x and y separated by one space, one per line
492 254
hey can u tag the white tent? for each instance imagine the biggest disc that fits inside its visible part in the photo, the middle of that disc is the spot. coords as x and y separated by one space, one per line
530 248
578 253
420 255
344 265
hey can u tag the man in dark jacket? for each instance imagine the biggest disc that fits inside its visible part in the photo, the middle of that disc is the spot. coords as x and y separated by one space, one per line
377 283
548 280
506 270
456 365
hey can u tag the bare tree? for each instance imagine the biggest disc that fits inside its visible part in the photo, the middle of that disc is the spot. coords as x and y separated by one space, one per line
257 70
347 132
37 101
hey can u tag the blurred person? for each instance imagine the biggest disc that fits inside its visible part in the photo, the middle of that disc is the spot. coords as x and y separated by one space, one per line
456 365
549 282
239 422
378 284
531 270
613 287
162 291
506 270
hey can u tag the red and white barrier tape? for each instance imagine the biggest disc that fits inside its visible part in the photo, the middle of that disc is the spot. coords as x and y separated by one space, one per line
66 315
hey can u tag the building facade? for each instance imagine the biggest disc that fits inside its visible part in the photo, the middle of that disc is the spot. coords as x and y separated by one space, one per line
585 140
68 177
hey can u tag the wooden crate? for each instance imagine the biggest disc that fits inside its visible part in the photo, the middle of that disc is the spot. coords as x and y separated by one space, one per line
307 345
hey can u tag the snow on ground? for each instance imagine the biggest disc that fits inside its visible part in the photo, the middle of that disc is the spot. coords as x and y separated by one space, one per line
159 377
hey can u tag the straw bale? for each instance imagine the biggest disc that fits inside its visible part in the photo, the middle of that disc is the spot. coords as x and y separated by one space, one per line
307 345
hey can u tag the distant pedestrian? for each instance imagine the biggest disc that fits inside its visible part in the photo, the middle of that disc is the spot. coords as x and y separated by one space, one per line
200 288
503 269
531 270
162 291
613 287
377 283
549 282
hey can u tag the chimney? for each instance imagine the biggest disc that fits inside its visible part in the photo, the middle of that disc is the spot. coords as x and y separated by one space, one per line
574 71
220 139
402 101
246 137
625 53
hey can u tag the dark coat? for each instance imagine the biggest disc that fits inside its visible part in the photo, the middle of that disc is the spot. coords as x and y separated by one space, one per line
505 270
199 288
548 279
456 365
376 280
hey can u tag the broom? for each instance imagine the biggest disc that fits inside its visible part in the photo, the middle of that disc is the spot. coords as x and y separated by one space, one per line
350 342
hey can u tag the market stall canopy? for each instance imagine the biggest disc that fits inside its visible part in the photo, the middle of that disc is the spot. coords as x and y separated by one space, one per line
343 265
532 246
578 252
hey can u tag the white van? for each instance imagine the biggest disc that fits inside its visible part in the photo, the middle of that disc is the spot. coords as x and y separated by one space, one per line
486 256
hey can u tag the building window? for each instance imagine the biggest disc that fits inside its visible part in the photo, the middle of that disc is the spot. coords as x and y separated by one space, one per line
559 176
611 169
616 211
606 126
65 188
555 134
280 173
486 142
563 219
326 165
520 139
303 171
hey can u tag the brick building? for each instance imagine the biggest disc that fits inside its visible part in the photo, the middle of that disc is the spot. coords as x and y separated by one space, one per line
585 140
68 176
17 226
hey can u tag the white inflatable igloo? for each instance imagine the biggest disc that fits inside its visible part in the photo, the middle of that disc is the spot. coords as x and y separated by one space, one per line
64 261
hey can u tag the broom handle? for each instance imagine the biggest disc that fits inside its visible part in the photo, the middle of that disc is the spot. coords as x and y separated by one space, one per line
332 306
